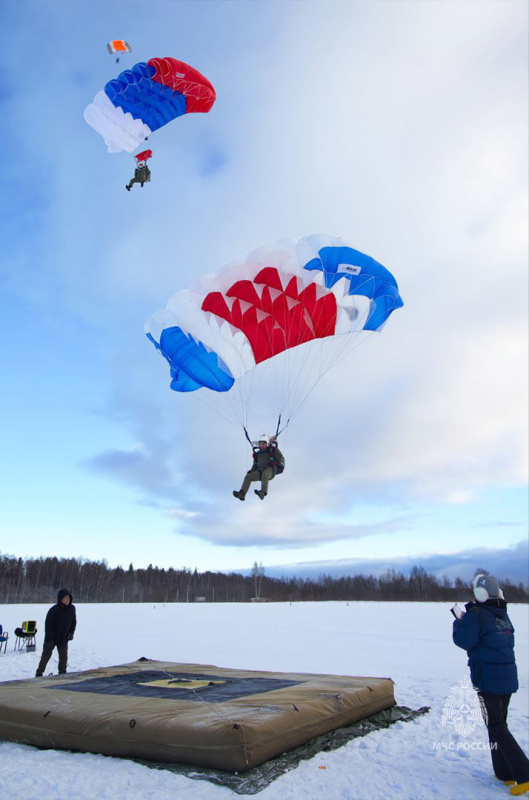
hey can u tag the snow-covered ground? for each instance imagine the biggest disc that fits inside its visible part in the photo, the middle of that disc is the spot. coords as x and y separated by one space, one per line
409 642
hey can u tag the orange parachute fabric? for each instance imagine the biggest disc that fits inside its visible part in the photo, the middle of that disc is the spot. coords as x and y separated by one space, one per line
119 46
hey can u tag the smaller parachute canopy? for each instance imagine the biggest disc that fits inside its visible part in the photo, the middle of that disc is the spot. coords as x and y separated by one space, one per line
119 46
143 156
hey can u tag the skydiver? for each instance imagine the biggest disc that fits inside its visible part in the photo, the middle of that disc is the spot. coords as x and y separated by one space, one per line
142 174
268 461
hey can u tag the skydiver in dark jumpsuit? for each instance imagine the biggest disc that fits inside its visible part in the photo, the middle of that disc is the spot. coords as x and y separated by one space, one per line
142 174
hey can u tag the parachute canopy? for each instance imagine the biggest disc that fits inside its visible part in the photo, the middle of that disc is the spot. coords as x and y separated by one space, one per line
297 293
119 46
142 99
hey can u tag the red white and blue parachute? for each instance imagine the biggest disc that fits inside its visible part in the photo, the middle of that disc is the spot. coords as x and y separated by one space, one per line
279 302
142 99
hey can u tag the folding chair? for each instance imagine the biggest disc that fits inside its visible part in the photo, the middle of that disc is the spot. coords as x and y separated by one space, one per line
26 636
4 636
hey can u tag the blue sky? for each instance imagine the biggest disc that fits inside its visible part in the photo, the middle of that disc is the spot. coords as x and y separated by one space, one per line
400 127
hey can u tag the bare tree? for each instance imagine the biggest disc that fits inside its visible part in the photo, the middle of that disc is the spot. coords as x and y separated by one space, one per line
258 572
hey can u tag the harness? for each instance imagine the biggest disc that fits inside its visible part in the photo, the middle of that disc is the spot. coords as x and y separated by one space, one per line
275 464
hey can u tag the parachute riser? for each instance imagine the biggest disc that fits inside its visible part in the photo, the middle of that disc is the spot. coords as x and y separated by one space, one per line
279 430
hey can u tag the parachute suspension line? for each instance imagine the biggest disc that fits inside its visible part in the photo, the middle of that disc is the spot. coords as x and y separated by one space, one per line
300 357
234 397
250 381
294 382
302 389
279 430
253 382
286 373
329 356
351 343
345 352
294 369
299 385
297 359
288 367
275 370
306 389
296 388
226 415
237 401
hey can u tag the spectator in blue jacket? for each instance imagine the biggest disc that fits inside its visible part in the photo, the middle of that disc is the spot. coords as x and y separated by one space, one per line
487 634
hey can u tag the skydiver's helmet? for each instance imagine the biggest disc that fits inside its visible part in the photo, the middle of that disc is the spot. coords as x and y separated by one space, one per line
264 438
486 587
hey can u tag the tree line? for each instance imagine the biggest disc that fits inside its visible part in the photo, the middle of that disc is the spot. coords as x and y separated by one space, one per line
36 580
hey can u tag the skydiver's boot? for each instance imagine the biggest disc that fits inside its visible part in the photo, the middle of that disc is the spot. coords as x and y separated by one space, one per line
239 495
260 493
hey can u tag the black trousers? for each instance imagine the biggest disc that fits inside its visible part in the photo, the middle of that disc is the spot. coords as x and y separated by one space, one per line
508 759
47 650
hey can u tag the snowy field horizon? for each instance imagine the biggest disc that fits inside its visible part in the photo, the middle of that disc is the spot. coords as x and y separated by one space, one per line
409 642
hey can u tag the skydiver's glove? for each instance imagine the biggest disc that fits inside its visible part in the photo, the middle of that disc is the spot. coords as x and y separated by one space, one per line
70 637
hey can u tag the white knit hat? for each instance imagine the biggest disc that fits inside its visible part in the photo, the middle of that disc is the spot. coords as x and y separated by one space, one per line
486 587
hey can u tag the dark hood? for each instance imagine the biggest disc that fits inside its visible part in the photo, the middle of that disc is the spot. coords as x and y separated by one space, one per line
62 593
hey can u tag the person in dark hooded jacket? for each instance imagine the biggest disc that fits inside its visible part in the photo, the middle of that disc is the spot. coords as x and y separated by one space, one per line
60 627
487 634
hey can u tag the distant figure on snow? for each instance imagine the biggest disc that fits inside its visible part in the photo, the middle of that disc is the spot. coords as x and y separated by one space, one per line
60 626
142 174
487 634
268 461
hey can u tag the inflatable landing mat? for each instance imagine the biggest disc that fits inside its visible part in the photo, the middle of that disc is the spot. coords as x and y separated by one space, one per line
230 719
